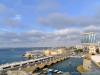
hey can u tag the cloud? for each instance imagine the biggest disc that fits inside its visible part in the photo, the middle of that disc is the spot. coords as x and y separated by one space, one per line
7 36
3 8
32 38
9 22
17 17
39 6
92 28
47 5
39 38
60 21
56 20
63 37
6 10
9 18
65 29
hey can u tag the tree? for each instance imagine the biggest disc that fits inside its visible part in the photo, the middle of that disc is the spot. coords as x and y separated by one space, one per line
79 50
97 51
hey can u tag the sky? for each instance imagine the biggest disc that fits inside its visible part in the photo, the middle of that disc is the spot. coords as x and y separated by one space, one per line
47 23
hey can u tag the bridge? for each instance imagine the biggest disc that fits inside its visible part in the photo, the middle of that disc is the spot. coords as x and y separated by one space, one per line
32 65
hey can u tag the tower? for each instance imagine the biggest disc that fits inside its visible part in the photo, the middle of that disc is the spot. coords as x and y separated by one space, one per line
88 41
88 38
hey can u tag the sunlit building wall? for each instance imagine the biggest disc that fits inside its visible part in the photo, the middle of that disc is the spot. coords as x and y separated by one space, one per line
50 52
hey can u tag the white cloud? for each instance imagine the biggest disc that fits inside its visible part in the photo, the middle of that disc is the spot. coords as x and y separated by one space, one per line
61 37
9 17
10 22
17 17
92 28
3 8
47 5
39 38
60 21
67 31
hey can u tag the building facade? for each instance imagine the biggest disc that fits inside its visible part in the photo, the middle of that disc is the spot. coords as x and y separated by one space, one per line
88 41
59 51
88 38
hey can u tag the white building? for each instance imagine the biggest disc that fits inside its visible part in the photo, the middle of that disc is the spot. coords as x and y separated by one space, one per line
92 49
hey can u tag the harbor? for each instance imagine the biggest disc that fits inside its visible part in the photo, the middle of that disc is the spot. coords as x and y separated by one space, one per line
49 37
58 62
68 65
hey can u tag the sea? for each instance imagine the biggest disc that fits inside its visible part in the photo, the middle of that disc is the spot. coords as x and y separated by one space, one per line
9 55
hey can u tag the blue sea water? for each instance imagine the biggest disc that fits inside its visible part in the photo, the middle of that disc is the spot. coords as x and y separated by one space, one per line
69 65
8 55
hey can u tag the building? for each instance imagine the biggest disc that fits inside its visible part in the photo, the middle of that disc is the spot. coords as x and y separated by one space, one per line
51 52
88 41
91 61
92 49
88 38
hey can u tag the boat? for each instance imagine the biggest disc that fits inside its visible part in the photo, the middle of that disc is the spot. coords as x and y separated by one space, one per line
55 70
50 70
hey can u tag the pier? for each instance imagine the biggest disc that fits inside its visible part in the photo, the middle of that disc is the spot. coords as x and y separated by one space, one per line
33 64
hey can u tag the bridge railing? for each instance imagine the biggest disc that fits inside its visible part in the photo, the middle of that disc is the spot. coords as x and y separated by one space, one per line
27 62
21 62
